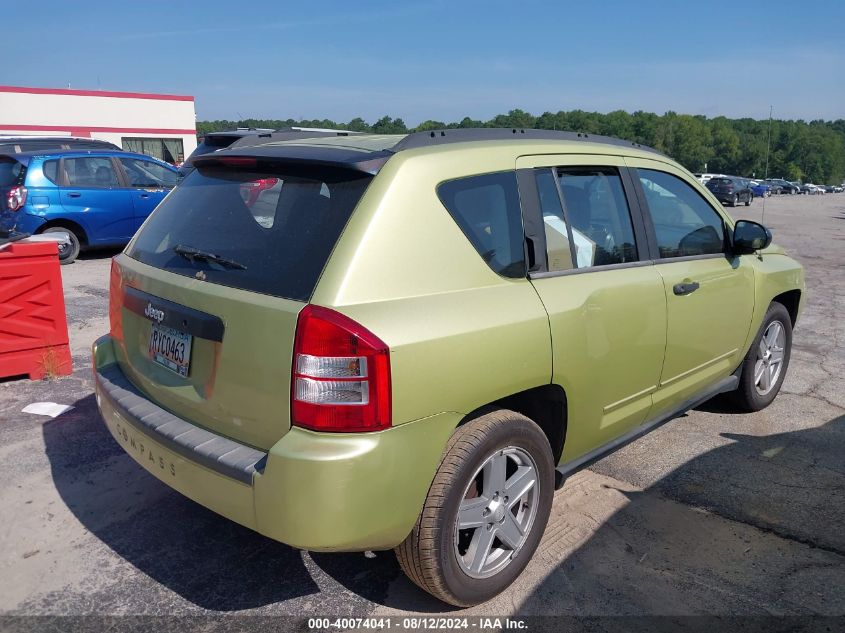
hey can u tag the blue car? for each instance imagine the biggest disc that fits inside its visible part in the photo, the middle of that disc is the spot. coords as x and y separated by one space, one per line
760 189
96 198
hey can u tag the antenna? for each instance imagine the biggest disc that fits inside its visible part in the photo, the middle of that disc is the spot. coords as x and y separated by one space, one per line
768 149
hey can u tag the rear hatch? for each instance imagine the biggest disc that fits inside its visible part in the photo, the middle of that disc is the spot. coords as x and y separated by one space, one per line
720 185
206 297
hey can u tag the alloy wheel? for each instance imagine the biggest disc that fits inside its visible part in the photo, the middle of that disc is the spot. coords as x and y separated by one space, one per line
497 512
770 354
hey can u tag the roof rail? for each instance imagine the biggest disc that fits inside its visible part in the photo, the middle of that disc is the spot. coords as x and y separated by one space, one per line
289 134
467 135
326 130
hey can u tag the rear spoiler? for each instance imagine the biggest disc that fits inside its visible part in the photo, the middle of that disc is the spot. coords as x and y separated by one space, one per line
299 157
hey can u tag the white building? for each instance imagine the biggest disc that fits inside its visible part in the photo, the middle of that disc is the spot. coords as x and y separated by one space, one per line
160 125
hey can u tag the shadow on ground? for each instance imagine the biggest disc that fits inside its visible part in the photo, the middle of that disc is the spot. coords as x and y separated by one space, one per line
669 550
790 484
100 253
204 558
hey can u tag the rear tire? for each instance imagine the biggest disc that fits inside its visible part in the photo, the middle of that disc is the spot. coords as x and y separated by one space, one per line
68 251
748 202
765 364
497 476
733 201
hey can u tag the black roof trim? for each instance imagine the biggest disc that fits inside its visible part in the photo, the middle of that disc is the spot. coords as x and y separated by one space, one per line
22 157
468 135
271 148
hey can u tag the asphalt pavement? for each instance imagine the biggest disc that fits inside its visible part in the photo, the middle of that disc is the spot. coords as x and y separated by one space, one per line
714 513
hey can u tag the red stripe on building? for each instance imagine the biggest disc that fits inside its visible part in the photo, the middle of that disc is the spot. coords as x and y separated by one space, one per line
81 130
95 93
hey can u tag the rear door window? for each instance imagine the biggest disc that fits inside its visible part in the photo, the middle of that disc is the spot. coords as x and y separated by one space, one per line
597 210
486 208
270 231
559 241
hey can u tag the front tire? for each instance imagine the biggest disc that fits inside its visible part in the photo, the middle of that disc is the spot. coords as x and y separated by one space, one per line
70 249
765 364
485 512
748 202
733 201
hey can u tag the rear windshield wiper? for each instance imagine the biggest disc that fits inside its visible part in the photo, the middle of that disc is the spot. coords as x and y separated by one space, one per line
190 253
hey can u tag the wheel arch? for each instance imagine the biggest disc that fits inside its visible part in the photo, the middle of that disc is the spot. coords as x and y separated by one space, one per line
791 300
77 228
546 405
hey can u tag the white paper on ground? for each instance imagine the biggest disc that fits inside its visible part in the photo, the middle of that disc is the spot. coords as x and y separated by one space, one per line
46 408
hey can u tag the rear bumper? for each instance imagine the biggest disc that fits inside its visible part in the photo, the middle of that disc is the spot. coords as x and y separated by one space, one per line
725 197
316 491
20 221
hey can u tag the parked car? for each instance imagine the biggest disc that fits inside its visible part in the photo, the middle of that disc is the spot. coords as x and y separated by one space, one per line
215 141
731 190
290 134
760 189
704 178
785 185
811 189
95 198
21 144
409 341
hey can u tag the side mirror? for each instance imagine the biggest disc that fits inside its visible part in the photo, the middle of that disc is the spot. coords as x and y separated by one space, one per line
750 237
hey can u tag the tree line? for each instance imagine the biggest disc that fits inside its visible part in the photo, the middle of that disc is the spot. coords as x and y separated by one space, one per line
811 151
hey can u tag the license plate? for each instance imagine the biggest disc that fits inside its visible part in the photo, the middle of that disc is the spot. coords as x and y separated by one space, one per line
171 348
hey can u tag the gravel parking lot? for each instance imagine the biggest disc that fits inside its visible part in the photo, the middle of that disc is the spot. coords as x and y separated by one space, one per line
714 513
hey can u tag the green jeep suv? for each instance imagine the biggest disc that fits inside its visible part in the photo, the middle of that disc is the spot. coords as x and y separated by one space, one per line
374 342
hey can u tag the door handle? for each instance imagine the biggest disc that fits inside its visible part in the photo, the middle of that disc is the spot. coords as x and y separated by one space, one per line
144 196
74 194
685 288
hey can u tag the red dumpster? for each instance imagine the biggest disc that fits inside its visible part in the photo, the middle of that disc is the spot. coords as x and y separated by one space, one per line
33 326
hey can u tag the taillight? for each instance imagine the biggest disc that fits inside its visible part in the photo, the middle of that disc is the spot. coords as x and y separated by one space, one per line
115 302
16 198
341 374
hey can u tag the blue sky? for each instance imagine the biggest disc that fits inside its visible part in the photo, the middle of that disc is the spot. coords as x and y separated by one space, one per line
440 60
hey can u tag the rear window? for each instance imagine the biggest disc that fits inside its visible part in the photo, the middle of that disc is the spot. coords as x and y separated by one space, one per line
270 232
11 172
720 181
